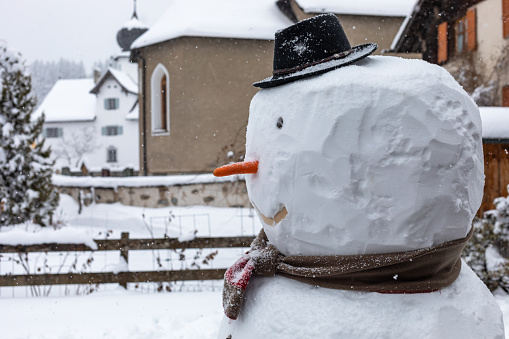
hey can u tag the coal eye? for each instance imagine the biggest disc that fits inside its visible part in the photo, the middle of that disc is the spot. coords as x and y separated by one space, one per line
279 123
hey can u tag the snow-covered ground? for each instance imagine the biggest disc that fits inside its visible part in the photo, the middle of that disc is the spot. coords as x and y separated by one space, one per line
192 310
121 314
113 314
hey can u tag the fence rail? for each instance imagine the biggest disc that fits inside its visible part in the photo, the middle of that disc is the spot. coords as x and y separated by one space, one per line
124 245
121 278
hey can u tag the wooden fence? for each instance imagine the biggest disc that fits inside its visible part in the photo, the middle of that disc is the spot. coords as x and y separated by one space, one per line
496 171
124 245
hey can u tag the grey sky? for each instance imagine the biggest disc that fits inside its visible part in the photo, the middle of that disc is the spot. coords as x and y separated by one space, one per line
72 29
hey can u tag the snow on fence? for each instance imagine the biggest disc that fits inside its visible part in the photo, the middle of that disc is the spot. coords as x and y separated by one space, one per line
122 276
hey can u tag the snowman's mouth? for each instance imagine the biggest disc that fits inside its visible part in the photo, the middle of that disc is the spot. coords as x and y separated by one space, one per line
277 217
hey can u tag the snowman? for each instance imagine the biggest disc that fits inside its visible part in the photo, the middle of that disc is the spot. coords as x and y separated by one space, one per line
366 173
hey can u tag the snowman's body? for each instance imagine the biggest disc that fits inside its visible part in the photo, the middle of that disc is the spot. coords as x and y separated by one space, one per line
277 307
378 157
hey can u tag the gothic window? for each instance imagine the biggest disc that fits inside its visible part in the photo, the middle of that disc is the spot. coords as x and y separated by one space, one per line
164 102
160 100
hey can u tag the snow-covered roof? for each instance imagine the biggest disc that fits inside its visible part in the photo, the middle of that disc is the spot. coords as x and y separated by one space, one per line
359 7
134 113
121 54
69 100
258 19
416 14
122 78
134 23
495 122
401 30
243 19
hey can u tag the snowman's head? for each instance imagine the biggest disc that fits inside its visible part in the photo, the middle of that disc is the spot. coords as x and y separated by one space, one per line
383 156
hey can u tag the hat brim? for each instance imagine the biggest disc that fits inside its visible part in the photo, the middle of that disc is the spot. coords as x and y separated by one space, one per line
358 52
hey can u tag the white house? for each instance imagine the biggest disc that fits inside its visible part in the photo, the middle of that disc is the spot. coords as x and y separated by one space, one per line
93 124
116 110
69 109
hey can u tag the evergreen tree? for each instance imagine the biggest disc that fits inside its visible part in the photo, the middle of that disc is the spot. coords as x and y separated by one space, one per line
26 192
46 73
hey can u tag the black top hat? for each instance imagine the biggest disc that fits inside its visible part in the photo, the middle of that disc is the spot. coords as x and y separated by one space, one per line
311 47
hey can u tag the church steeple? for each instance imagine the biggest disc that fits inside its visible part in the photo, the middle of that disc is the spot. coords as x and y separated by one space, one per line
134 16
130 31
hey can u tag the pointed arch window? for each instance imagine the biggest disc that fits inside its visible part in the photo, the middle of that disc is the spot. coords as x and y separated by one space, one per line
160 100
164 103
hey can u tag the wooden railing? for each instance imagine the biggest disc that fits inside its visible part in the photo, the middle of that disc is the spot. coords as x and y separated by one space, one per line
124 245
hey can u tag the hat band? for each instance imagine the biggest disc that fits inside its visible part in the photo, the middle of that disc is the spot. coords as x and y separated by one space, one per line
286 71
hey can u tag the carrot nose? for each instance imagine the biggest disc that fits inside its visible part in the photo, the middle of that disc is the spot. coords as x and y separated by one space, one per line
245 167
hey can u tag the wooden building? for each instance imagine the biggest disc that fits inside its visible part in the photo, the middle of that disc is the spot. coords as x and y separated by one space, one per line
495 123
470 38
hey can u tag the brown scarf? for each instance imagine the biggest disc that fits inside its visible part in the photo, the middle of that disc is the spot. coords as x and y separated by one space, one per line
418 271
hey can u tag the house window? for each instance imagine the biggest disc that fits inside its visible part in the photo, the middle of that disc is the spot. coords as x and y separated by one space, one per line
111 103
111 130
461 36
53 132
160 100
164 102
111 154
442 43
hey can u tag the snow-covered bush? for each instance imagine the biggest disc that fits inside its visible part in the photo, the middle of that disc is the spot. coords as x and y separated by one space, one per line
26 193
487 252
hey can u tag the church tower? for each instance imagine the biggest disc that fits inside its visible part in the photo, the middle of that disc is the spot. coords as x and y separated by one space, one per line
129 32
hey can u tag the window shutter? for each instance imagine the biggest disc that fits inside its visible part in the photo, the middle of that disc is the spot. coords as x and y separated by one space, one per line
442 43
117 103
103 130
105 103
60 132
471 30
505 18
505 96
120 130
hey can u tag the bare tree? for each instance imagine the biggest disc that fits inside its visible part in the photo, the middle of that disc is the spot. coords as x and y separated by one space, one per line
76 145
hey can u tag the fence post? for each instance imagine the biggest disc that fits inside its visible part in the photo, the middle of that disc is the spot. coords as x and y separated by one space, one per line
124 253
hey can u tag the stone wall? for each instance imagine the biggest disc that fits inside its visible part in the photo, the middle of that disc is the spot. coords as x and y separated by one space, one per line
224 194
